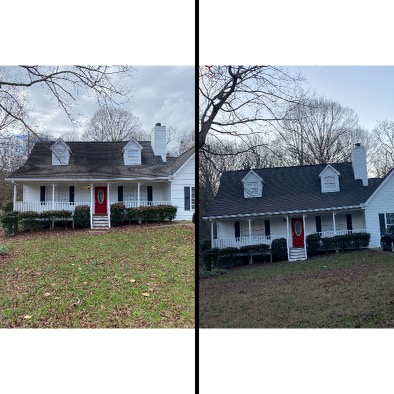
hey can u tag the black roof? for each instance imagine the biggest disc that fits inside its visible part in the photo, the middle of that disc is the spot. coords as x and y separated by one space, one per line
97 160
289 189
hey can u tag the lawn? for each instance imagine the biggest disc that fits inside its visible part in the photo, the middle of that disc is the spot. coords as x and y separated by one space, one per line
351 289
129 277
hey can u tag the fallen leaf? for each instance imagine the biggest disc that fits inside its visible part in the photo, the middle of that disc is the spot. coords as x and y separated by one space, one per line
132 280
85 283
47 294
27 317
145 294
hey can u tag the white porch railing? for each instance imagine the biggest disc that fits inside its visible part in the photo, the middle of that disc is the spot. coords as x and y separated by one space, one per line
24 206
134 204
326 234
222 243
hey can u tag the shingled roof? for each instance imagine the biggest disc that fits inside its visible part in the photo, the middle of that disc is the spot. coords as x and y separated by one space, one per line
288 189
95 160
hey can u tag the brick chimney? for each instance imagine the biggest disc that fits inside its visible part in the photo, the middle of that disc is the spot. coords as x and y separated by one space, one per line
158 141
359 163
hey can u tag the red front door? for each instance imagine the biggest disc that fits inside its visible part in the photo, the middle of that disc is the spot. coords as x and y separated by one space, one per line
100 199
297 230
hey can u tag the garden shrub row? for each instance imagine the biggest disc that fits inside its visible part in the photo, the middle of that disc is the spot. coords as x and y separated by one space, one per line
215 257
154 213
10 220
315 243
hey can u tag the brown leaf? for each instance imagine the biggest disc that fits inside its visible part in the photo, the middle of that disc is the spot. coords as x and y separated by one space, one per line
145 294
132 280
27 317
47 294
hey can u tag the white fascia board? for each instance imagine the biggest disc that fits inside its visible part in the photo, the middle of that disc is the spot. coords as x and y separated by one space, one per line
183 165
327 167
380 186
251 171
13 180
132 140
361 206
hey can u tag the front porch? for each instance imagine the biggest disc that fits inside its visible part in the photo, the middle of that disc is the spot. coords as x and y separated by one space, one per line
99 196
295 228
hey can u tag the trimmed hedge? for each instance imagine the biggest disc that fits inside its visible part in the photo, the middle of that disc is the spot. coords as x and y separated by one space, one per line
9 222
154 213
118 213
82 216
279 249
315 243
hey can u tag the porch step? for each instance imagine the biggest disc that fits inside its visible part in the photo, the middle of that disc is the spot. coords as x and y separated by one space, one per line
100 222
297 254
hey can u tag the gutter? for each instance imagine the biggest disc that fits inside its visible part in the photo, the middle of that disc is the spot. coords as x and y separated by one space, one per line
247 215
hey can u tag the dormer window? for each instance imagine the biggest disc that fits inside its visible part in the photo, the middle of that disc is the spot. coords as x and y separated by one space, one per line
60 153
329 178
253 185
132 156
132 153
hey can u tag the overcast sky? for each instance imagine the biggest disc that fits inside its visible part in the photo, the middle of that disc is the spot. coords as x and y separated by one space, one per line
162 94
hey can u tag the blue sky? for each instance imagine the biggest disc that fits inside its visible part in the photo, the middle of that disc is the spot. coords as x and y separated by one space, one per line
368 90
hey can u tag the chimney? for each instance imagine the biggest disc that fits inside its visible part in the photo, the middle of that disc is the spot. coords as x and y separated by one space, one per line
359 163
158 141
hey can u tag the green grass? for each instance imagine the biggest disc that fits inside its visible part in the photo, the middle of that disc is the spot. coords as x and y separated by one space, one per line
134 276
352 289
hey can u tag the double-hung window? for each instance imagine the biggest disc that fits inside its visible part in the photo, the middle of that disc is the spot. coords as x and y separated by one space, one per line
132 156
190 198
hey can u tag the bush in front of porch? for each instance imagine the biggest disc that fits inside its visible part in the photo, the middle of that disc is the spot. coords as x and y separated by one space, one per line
316 244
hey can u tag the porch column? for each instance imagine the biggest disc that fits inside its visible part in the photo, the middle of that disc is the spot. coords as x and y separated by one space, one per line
211 234
288 237
138 194
14 201
250 231
91 205
53 196
108 207
333 222
303 224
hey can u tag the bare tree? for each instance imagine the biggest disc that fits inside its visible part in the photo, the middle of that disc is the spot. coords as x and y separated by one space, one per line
113 124
322 131
236 101
179 141
63 83
383 155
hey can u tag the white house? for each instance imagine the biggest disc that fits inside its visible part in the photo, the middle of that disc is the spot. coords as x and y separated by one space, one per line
259 205
62 175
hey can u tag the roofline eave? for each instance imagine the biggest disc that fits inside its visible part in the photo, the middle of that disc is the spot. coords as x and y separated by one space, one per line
247 215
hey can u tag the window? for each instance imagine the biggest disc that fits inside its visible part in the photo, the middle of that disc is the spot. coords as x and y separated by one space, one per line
63 193
59 156
329 183
190 198
132 156
129 193
389 218
252 188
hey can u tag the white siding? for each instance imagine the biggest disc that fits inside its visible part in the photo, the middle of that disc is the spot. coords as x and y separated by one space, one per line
253 186
185 177
329 180
382 202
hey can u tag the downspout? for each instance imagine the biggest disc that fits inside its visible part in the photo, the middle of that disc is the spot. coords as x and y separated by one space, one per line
108 207
91 205
304 225
14 201
288 238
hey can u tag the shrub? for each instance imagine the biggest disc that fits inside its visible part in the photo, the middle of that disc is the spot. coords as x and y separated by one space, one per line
82 216
346 241
279 249
3 250
9 221
118 213
210 258
157 213
7 206
313 244
30 218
